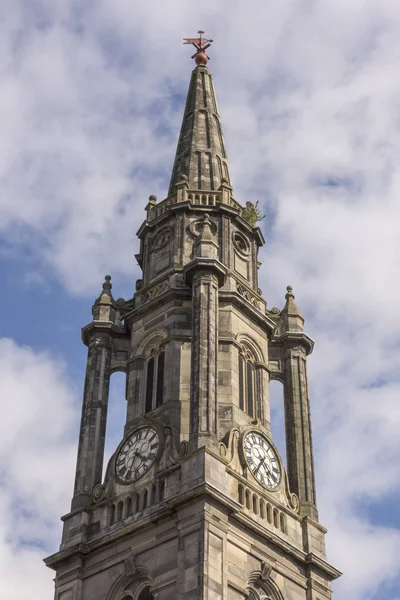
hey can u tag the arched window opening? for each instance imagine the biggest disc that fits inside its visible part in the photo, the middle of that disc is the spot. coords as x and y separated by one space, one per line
247 382
146 594
149 385
145 499
255 504
161 491
155 379
262 509
128 507
276 520
248 505
269 513
135 503
278 417
116 416
240 493
153 494
160 379
112 514
283 522
120 510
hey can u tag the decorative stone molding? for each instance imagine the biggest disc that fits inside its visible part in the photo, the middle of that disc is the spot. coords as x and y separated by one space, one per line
241 244
247 294
155 291
162 239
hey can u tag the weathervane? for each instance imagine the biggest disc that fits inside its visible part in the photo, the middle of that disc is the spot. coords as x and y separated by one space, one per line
201 44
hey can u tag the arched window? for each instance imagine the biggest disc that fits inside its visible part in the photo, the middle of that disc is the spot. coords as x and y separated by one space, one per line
128 507
145 498
155 379
146 594
161 491
247 381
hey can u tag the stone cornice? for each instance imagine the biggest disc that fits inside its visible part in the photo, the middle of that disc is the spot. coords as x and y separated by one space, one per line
294 338
104 327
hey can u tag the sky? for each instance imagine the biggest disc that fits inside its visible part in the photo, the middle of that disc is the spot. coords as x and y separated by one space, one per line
91 100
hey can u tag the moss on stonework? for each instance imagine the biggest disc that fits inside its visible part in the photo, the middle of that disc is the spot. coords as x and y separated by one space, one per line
252 213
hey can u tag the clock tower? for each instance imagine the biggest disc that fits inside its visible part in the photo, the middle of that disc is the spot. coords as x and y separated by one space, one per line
196 503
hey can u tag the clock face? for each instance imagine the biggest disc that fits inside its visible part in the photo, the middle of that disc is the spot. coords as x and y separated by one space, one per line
137 454
261 459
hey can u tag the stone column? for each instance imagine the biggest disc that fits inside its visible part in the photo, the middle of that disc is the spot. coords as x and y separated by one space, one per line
299 450
98 337
94 418
205 273
203 402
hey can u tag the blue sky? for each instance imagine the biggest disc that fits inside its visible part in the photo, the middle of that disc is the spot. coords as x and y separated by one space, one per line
90 109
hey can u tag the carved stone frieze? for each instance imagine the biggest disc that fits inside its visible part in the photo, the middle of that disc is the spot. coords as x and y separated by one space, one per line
247 294
155 291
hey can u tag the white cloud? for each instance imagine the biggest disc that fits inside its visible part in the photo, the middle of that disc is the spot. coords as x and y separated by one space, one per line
309 95
38 432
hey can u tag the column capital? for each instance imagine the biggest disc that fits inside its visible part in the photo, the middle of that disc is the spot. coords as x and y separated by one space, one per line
291 339
205 265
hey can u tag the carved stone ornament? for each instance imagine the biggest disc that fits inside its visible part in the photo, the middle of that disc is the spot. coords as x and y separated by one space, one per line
98 493
162 239
230 451
183 448
171 454
266 571
241 244
195 228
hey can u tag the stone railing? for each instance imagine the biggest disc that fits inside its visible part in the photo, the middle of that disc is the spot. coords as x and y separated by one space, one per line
136 503
196 197
253 503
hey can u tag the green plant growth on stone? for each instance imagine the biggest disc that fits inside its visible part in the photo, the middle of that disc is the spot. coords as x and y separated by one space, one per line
252 213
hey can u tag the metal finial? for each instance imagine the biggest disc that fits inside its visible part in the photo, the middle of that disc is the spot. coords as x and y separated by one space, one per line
201 44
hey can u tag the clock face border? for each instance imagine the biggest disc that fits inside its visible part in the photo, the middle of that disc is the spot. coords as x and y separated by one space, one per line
125 442
275 453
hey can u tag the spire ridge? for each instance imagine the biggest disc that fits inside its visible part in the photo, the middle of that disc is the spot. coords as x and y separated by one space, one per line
200 154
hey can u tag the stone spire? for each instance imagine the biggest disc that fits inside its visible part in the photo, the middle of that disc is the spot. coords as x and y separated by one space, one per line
291 317
200 154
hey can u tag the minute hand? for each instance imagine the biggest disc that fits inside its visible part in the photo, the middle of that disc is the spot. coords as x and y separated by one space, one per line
259 465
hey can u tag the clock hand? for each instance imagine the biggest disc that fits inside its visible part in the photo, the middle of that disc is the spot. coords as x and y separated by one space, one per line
259 465
141 456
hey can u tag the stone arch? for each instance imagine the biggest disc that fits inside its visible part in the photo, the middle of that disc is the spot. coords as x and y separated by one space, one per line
151 355
252 384
155 338
132 583
245 340
260 585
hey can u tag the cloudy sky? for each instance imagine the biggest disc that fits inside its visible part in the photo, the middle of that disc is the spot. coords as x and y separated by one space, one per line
91 100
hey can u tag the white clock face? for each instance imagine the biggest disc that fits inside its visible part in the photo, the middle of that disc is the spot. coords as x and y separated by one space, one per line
137 454
261 459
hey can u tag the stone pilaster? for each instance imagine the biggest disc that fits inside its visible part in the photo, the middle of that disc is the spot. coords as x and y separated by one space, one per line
205 273
203 398
94 417
298 429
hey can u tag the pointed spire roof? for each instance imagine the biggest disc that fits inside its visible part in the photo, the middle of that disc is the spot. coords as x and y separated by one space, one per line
201 154
104 307
291 317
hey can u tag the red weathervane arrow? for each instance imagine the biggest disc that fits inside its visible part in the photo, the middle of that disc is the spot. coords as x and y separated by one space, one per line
201 44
